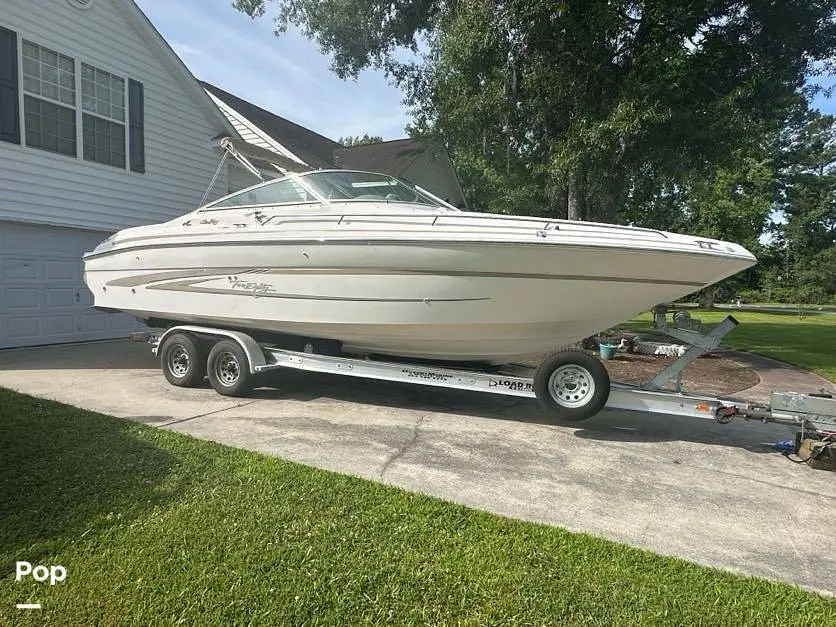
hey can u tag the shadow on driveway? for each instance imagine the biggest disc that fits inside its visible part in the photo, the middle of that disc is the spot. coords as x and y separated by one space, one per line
609 425
108 355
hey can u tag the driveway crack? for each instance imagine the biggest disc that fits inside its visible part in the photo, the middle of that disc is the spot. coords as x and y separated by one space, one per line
208 413
402 450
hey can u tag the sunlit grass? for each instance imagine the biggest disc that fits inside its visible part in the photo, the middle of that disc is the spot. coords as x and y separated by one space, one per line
155 527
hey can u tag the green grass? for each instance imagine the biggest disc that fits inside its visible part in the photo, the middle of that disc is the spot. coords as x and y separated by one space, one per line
157 527
809 343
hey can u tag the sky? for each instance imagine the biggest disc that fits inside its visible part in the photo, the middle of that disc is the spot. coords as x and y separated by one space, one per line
287 75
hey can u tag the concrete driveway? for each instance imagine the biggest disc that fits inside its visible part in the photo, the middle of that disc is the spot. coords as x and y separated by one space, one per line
714 494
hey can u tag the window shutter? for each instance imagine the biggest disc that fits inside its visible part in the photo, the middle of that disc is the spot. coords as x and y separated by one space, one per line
136 125
9 103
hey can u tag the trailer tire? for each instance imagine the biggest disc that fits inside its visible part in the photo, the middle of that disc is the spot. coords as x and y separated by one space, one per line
183 360
228 368
572 384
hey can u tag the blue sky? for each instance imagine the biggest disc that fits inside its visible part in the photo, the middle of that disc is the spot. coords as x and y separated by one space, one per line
286 75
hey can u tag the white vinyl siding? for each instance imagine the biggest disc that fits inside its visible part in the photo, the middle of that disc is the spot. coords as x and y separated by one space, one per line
37 186
239 178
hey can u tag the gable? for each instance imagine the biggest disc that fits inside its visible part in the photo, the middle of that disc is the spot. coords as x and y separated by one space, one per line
312 148
392 157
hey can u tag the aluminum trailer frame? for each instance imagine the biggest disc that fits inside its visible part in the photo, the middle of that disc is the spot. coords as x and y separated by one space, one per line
813 412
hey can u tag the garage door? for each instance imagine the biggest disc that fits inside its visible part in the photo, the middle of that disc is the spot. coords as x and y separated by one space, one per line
43 299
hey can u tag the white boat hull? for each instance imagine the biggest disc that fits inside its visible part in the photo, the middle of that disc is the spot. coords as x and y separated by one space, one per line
491 301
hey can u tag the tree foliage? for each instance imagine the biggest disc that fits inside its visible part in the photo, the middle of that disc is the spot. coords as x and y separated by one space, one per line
806 237
579 98
352 140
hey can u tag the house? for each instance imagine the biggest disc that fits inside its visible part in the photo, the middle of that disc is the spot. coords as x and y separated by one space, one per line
102 127
423 162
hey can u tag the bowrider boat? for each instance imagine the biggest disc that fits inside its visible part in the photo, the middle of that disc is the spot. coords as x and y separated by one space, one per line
378 266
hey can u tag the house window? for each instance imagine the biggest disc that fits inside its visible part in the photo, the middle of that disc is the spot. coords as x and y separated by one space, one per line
103 118
49 99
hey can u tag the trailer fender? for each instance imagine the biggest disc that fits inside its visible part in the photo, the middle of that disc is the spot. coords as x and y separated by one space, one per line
255 356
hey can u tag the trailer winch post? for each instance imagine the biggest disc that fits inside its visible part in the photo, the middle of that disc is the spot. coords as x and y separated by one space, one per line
699 344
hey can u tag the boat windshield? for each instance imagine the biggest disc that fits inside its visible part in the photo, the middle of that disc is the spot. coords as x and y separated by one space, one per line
347 186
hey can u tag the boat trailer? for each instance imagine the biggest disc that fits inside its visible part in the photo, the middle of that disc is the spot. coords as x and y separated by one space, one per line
571 384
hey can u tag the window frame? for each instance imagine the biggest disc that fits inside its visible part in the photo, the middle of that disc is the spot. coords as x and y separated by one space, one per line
78 59
23 93
107 118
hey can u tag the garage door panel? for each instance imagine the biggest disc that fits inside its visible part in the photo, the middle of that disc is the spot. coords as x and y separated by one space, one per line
59 325
22 328
61 270
43 299
125 322
91 322
17 298
21 268
85 298
21 238
60 297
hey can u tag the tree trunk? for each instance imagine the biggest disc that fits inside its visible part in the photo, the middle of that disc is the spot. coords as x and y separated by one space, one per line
560 203
707 297
603 205
575 196
606 206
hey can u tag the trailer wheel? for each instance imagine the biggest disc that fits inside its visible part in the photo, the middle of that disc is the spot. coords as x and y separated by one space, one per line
572 384
229 369
183 362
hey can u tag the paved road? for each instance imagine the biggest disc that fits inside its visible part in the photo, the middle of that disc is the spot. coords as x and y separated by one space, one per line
714 494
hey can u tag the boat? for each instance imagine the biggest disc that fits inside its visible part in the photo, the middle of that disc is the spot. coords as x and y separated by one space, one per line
374 265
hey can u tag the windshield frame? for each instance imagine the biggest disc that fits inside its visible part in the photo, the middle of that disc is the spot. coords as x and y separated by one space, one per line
300 178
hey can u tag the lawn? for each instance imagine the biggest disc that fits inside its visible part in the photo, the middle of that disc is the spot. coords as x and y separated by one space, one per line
808 343
157 527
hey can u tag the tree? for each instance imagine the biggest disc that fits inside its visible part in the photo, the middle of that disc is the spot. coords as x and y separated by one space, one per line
359 141
731 203
807 236
569 105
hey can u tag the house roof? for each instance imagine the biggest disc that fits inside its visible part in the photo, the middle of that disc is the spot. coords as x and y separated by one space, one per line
134 15
314 149
390 157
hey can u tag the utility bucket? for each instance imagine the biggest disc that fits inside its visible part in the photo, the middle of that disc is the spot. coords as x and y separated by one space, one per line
607 351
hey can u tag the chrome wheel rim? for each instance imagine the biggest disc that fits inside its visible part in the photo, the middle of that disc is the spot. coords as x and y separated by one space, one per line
571 386
227 369
178 361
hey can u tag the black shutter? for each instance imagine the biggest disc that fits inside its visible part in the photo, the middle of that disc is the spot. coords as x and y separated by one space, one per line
136 125
9 103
